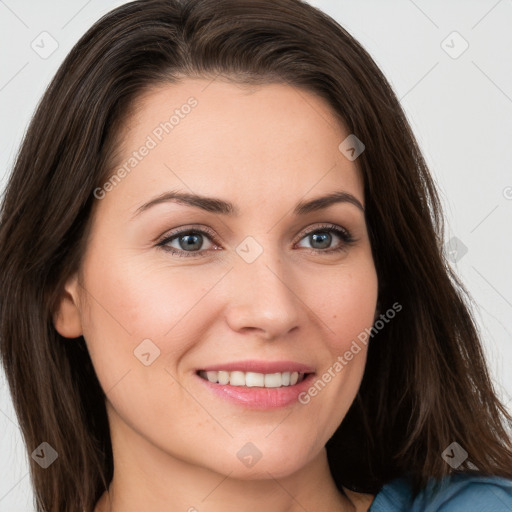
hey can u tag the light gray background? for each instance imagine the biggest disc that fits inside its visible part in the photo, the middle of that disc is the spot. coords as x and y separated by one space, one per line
460 110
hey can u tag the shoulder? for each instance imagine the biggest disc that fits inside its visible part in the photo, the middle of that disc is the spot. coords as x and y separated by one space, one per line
459 492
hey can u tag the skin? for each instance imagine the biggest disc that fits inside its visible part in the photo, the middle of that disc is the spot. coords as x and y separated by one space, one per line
175 444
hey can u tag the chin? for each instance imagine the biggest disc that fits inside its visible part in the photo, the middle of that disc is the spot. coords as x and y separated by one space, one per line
279 462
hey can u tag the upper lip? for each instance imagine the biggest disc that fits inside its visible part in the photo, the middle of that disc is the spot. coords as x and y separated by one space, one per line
261 367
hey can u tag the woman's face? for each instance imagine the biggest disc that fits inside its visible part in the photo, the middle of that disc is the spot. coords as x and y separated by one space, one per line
267 281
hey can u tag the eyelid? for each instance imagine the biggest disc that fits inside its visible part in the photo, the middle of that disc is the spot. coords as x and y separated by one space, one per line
186 229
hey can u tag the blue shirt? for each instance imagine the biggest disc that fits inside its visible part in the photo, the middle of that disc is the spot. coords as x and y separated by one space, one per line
459 492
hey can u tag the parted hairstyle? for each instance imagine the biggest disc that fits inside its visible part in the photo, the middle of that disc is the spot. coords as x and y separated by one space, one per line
426 383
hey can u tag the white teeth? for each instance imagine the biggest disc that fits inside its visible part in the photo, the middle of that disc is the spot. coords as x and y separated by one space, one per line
223 377
273 380
252 379
237 379
212 376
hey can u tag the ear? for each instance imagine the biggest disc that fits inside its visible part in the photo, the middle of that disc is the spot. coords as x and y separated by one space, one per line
66 312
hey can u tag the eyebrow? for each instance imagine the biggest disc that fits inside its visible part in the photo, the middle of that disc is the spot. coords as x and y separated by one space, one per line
220 206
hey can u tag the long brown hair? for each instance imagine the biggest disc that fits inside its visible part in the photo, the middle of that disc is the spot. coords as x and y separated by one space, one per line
425 385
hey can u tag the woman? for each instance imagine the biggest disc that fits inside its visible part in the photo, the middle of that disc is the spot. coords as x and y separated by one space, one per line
228 245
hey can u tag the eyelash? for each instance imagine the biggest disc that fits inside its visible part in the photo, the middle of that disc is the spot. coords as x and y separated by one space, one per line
342 233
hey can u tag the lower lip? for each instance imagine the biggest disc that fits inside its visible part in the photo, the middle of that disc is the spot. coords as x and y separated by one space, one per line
257 397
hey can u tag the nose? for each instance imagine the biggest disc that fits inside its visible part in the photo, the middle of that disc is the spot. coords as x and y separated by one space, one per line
262 299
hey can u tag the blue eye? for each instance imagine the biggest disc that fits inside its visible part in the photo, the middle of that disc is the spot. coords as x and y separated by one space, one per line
190 242
324 237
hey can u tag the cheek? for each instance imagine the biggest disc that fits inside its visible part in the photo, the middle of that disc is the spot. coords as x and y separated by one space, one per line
136 309
134 300
145 300
345 299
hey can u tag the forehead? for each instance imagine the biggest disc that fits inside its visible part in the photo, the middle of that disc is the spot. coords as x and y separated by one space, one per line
206 136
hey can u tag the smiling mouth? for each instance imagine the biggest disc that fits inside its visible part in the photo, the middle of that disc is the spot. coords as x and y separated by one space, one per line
253 379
